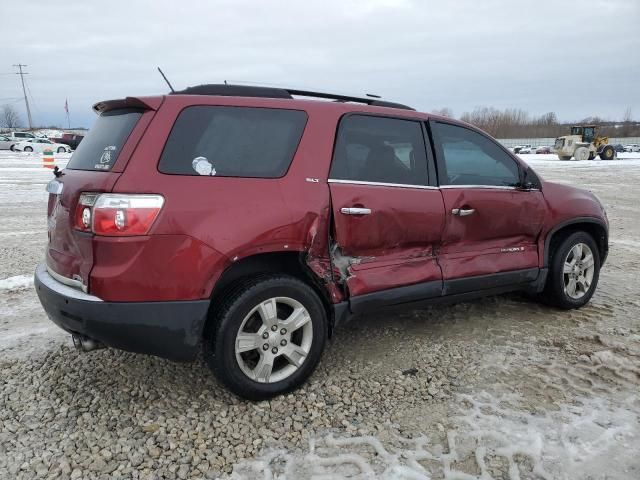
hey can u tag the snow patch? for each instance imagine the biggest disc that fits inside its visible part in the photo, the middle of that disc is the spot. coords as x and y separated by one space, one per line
17 282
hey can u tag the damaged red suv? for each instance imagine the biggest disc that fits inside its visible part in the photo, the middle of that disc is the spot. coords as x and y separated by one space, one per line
249 222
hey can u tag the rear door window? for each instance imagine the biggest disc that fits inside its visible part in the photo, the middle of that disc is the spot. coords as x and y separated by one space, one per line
99 150
233 142
380 150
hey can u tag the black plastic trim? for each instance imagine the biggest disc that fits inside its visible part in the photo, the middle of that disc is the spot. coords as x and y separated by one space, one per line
171 330
394 296
270 92
449 291
573 221
485 282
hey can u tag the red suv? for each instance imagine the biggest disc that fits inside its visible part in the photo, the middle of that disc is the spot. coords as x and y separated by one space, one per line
249 223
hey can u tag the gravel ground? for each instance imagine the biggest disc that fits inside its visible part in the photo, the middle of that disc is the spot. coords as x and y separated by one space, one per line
497 388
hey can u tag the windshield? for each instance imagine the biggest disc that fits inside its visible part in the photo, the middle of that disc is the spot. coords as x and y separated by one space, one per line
99 150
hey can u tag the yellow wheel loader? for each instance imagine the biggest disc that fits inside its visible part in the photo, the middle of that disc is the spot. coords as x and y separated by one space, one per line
584 144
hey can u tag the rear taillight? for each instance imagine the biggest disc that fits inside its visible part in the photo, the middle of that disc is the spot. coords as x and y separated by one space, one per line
82 218
116 214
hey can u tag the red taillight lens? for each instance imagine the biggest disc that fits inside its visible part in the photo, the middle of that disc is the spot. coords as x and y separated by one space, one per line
82 218
116 214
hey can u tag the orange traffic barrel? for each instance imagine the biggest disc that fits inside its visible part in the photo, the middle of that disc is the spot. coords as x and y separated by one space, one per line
47 159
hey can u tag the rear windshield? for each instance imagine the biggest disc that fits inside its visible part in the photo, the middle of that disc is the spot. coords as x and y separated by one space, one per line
233 142
99 150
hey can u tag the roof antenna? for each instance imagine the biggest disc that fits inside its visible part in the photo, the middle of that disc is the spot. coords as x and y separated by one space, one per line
165 79
373 95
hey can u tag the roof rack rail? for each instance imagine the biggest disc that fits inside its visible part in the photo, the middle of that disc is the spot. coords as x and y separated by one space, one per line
271 92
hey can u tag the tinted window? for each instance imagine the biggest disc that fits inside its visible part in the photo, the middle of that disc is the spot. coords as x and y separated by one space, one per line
472 159
233 142
100 148
378 149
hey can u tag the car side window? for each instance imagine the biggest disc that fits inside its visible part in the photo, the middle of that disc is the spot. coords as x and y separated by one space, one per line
380 150
469 158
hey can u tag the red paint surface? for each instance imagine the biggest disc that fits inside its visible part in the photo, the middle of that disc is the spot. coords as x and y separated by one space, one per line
473 245
207 223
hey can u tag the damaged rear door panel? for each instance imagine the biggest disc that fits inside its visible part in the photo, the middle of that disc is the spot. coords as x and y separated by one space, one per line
387 219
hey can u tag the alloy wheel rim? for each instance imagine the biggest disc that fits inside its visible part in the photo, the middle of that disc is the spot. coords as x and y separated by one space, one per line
578 270
274 340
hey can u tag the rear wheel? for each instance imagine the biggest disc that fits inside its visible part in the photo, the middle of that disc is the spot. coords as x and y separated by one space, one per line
61 149
564 157
607 153
574 270
592 155
267 337
581 153
28 149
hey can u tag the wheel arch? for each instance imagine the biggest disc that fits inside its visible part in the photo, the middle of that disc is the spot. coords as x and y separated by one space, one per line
290 263
593 226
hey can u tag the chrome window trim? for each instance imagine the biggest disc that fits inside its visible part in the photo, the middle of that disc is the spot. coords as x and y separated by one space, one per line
498 187
382 184
49 279
66 281
492 187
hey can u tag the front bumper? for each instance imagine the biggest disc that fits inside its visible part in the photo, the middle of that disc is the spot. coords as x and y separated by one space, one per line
170 330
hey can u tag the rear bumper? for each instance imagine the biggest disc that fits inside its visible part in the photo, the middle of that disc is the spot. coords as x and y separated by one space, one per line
170 330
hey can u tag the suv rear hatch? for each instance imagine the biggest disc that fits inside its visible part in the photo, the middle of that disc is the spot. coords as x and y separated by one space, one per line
94 167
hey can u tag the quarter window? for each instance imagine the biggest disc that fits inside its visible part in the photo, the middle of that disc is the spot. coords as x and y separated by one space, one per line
233 142
381 150
469 158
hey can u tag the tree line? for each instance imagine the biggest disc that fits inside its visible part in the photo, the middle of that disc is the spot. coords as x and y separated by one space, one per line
516 123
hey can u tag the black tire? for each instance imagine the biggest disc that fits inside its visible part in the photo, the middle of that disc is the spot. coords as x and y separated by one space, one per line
61 150
591 156
564 157
12 148
554 292
220 337
28 149
607 153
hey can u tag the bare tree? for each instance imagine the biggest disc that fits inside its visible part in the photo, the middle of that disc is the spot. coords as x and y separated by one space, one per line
627 123
445 112
9 118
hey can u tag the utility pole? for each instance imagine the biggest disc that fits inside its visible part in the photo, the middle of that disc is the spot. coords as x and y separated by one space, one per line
24 91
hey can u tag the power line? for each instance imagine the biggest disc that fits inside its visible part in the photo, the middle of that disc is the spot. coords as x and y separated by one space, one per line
24 91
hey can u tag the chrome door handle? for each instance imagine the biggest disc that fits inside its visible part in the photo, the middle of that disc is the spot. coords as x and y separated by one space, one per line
355 211
463 212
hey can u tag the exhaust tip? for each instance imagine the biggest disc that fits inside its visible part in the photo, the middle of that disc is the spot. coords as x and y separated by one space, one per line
86 344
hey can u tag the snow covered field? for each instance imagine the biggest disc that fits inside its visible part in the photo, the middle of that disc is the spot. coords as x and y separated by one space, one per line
501 387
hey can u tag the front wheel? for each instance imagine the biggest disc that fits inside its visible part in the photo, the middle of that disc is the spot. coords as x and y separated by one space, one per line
61 150
28 149
267 337
573 272
607 153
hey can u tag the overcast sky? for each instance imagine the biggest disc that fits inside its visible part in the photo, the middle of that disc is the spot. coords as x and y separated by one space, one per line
577 58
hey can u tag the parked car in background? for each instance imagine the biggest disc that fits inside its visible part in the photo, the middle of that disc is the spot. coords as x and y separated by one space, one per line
632 147
6 143
71 139
39 145
619 148
527 149
518 148
543 149
250 223
17 137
